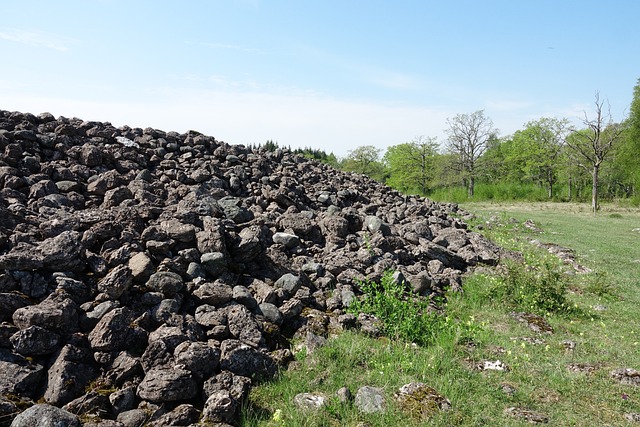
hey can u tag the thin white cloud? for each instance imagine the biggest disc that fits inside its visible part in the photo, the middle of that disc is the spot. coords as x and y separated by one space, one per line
508 105
396 80
228 46
37 38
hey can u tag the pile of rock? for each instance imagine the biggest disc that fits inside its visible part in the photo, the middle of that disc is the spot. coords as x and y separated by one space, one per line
151 275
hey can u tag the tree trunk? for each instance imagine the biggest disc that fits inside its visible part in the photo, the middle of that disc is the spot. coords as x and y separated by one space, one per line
594 188
570 186
471 188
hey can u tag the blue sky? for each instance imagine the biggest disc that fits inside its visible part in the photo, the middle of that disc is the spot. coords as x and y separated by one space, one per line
328 74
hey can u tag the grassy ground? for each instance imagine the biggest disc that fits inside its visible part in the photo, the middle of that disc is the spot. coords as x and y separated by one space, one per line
597 312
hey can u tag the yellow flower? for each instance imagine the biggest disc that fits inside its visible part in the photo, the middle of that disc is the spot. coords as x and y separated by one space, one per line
277 415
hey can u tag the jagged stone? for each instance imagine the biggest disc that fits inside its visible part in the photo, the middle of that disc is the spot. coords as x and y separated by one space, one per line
35 341
309 401
370 400
219 407
44 415
19 376
421 401
167 385
69 375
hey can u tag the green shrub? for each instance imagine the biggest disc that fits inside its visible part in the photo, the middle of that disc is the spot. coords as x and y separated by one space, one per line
535 288
405 315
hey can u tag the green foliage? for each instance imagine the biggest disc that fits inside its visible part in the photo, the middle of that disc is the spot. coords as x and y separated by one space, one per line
600 285
537 288
496 192
404 315
411 165
319 155
365 160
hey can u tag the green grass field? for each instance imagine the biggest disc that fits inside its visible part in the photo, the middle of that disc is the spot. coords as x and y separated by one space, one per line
597 312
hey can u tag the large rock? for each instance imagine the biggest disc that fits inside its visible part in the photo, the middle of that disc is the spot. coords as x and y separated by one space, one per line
19 376
43 415
59 253
69 375
112 331
35 341
57 313
168 385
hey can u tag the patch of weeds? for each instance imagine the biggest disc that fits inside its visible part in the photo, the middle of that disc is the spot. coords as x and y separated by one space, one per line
539 289
100 386
405 315
615 215
600 285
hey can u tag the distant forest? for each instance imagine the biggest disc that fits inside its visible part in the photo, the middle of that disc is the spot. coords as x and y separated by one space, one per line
548 159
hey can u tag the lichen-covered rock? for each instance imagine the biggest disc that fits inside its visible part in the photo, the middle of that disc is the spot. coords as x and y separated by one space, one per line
421 401
527 415
116 282
43 415
628 376
57 312
198 357
19 376
182 415
309 401
166 282
246 361
112 331
69 375
370 400
35 341
220 407
168 385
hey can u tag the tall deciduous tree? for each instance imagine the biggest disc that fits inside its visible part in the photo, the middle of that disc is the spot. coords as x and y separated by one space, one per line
539 145
366 160
628 158
595 143
469 135
411 165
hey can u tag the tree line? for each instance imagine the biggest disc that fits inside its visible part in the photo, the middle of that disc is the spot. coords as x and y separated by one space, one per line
548 159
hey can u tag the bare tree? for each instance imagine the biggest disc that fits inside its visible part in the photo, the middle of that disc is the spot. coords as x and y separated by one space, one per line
469 135
595 143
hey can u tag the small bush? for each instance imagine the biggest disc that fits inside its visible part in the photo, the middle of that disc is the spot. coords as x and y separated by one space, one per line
538 288
600 285
404 315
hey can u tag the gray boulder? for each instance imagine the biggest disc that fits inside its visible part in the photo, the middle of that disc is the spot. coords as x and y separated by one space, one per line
168 385
370 400
19 376
43 415
112 331
167 282
219 407
35 341
69 375
246 361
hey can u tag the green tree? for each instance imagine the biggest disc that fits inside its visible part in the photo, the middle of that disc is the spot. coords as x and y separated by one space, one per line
627 161
320 155
365 160
469 136
538 148
502 162
594 144
411 165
